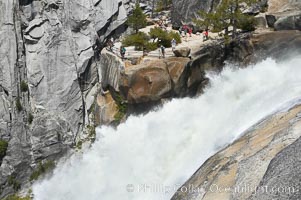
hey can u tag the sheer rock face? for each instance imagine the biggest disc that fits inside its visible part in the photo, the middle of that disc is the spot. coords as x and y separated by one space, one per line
266 157
48 46
281 14
184 11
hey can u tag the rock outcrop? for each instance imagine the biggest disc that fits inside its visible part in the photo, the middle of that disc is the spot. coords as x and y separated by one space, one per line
284 15
154 80
50 77
263 164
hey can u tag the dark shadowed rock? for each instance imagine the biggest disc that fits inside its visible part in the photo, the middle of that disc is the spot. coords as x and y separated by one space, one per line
292 22
271 19
182 52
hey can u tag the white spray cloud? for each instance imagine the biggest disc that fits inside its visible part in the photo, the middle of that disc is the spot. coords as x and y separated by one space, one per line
163 149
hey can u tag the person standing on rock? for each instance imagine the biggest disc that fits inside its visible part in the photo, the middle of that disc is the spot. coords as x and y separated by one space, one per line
173 44
162 51
189 31
206 35
122 52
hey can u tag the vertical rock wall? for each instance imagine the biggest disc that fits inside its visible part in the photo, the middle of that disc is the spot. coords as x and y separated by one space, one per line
49 77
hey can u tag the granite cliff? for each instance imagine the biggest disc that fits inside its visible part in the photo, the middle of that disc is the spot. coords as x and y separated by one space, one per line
48 78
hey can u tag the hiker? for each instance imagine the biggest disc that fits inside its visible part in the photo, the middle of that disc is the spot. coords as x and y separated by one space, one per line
110 45
122 52
162 48
144 51
180 30
189 31
173 44
206 35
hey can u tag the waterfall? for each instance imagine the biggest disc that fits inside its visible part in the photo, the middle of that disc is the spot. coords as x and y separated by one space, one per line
150 156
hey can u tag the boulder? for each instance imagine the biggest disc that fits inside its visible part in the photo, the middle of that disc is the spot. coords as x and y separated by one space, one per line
291 22
271 19
182 52
154 80
147 83
261 21
176 69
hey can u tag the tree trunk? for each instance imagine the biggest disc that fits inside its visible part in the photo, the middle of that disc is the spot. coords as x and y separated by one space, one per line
153 8
236 9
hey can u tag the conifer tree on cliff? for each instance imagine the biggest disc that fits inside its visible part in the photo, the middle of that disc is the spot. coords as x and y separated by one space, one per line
228 14
137 19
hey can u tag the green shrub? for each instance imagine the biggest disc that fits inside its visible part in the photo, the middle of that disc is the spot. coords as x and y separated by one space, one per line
151 46
15 197
139 40
164 37
246 23
19 105
91 131
23 86
3 148
30 118
162 5
122 108
137 19
42 169
79 144
13 182
176 36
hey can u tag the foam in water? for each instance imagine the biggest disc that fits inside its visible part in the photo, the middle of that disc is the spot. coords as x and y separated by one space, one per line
164 148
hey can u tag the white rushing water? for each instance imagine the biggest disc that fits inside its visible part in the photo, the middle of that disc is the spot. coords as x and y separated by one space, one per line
164 148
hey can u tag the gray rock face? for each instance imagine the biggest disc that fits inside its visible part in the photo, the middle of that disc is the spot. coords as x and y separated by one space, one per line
286 167
266 160
110 69
47 45
292 22
184 11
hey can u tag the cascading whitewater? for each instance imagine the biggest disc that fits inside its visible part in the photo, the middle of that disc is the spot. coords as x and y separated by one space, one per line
149 157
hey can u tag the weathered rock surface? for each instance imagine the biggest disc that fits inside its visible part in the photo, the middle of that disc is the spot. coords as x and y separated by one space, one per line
154 80
47 45
279 44
284 14
110 69
106 109
267 157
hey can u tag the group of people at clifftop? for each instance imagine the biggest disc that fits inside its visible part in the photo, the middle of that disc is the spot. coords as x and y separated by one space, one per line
184 31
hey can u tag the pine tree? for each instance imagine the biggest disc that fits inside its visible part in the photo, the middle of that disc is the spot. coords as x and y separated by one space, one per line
227 14
138 19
